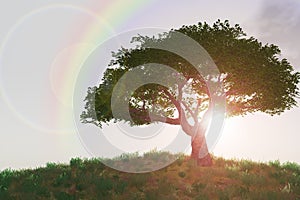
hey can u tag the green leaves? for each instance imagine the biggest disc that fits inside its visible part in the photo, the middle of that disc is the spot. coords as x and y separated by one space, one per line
253 76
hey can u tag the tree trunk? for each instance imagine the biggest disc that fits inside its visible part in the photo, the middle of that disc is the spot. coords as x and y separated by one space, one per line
199 150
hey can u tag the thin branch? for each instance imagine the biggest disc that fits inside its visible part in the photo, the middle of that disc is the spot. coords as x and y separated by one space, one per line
148 117
197 107
168 120
190 111
173 99
187 128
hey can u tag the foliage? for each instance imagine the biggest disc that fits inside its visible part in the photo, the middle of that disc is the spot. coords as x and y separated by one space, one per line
180 180
253 75
51 165
76 162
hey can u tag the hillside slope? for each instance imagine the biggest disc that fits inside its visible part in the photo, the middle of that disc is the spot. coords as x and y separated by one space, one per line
90 179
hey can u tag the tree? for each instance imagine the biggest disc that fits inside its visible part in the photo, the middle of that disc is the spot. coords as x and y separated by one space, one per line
252 75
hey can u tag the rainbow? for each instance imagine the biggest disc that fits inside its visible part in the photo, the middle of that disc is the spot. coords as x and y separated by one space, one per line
111 15
105 17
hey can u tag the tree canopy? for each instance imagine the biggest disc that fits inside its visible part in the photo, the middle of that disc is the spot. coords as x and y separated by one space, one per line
253 75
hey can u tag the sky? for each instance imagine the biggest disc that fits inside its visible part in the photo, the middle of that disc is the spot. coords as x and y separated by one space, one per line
44 48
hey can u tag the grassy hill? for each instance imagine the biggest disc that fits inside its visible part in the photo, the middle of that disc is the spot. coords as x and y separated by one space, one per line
90 179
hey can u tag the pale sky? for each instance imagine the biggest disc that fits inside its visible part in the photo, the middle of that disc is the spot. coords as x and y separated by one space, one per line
42 45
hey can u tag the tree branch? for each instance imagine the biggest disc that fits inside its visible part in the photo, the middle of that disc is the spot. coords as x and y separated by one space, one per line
197 107
147 117
190 111
158 118
173 99
187 128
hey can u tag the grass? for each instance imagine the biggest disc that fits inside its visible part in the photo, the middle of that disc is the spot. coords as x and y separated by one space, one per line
91 179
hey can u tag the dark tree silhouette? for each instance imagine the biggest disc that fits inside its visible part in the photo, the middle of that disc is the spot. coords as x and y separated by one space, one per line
253 77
